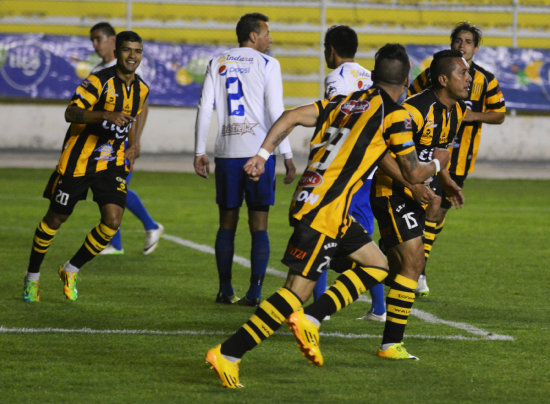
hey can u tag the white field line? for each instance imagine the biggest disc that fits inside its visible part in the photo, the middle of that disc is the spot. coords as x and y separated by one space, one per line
7 330
430 318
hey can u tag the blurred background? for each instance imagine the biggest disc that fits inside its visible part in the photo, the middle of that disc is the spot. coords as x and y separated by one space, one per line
45 52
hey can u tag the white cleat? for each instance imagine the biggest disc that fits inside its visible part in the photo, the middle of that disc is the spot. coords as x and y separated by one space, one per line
422 288
381 318
110 250
152 238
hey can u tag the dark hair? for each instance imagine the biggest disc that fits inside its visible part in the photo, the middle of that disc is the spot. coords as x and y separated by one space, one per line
126 36
391 65
247 24
343 39
105 27
441 64
466 26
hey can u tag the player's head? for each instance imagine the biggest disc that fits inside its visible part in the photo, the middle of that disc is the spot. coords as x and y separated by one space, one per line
342 40
102 36
466 39
450 70
128 51
253 31
391 65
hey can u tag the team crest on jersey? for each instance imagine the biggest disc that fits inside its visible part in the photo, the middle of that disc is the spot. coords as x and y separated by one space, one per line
408 123
106 152
354 107
85 83
310 179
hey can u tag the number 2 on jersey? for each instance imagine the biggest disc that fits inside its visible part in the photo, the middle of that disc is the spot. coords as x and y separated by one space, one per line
234 96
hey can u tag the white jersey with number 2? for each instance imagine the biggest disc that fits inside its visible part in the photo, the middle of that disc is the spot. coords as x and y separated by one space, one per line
246 88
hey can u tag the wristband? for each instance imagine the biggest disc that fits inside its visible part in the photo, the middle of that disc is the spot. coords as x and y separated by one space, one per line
437 165
263 153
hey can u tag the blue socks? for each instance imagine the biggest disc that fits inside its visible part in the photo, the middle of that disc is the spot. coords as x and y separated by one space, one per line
321 285
378 299
134 205
259 258
225 248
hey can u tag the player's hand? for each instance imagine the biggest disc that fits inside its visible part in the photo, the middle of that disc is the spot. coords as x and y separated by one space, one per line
120 119
443 156
130 155
290 171
422 193
254 167
454 193
202 165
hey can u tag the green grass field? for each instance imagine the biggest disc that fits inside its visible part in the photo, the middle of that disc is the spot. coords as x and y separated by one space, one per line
142 325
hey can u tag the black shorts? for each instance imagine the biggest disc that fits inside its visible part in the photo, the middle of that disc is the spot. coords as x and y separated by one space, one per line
400 219
438 188
108 186
309 253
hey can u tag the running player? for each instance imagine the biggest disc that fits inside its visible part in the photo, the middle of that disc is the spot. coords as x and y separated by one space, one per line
352 135
102 114
486 105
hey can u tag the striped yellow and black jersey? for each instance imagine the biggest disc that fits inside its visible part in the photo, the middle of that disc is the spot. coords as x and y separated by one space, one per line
352 134
89 148
484 96
434 125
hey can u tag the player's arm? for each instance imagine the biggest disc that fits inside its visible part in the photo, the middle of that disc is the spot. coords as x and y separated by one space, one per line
305 116
414 171
490 117
202 124
453 191
140 124
422 193
131 151
76 114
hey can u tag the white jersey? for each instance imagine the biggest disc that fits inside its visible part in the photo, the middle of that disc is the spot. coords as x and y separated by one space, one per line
347 78
246 88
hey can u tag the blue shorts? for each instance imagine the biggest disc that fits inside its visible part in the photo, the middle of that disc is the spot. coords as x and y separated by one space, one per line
360 207
232 184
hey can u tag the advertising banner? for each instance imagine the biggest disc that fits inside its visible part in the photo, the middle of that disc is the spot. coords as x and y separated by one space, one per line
50 67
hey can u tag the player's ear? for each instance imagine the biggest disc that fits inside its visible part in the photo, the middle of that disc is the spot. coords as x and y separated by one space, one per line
253 37
443 80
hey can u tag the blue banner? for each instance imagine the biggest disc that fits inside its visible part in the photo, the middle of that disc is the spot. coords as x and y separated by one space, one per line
50 67
523 74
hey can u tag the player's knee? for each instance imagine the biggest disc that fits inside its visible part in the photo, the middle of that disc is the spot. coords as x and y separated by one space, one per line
55 220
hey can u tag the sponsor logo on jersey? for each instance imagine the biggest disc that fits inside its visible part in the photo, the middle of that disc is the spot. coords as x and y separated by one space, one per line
296 252
241 128
106 152
354 107
408 123
310 179
120 133
85 83
223 70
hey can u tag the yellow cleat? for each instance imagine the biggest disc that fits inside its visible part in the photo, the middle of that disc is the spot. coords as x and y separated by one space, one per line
307 336
227 371
69 283
396 351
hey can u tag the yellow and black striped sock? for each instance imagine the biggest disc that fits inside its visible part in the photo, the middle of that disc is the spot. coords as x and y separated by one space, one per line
431 231
43 237
345 290
398 306
267 319
96 240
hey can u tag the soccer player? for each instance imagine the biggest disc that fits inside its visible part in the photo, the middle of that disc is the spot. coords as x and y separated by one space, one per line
103 36
246 87
102 113
352 135
486 105
346 77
